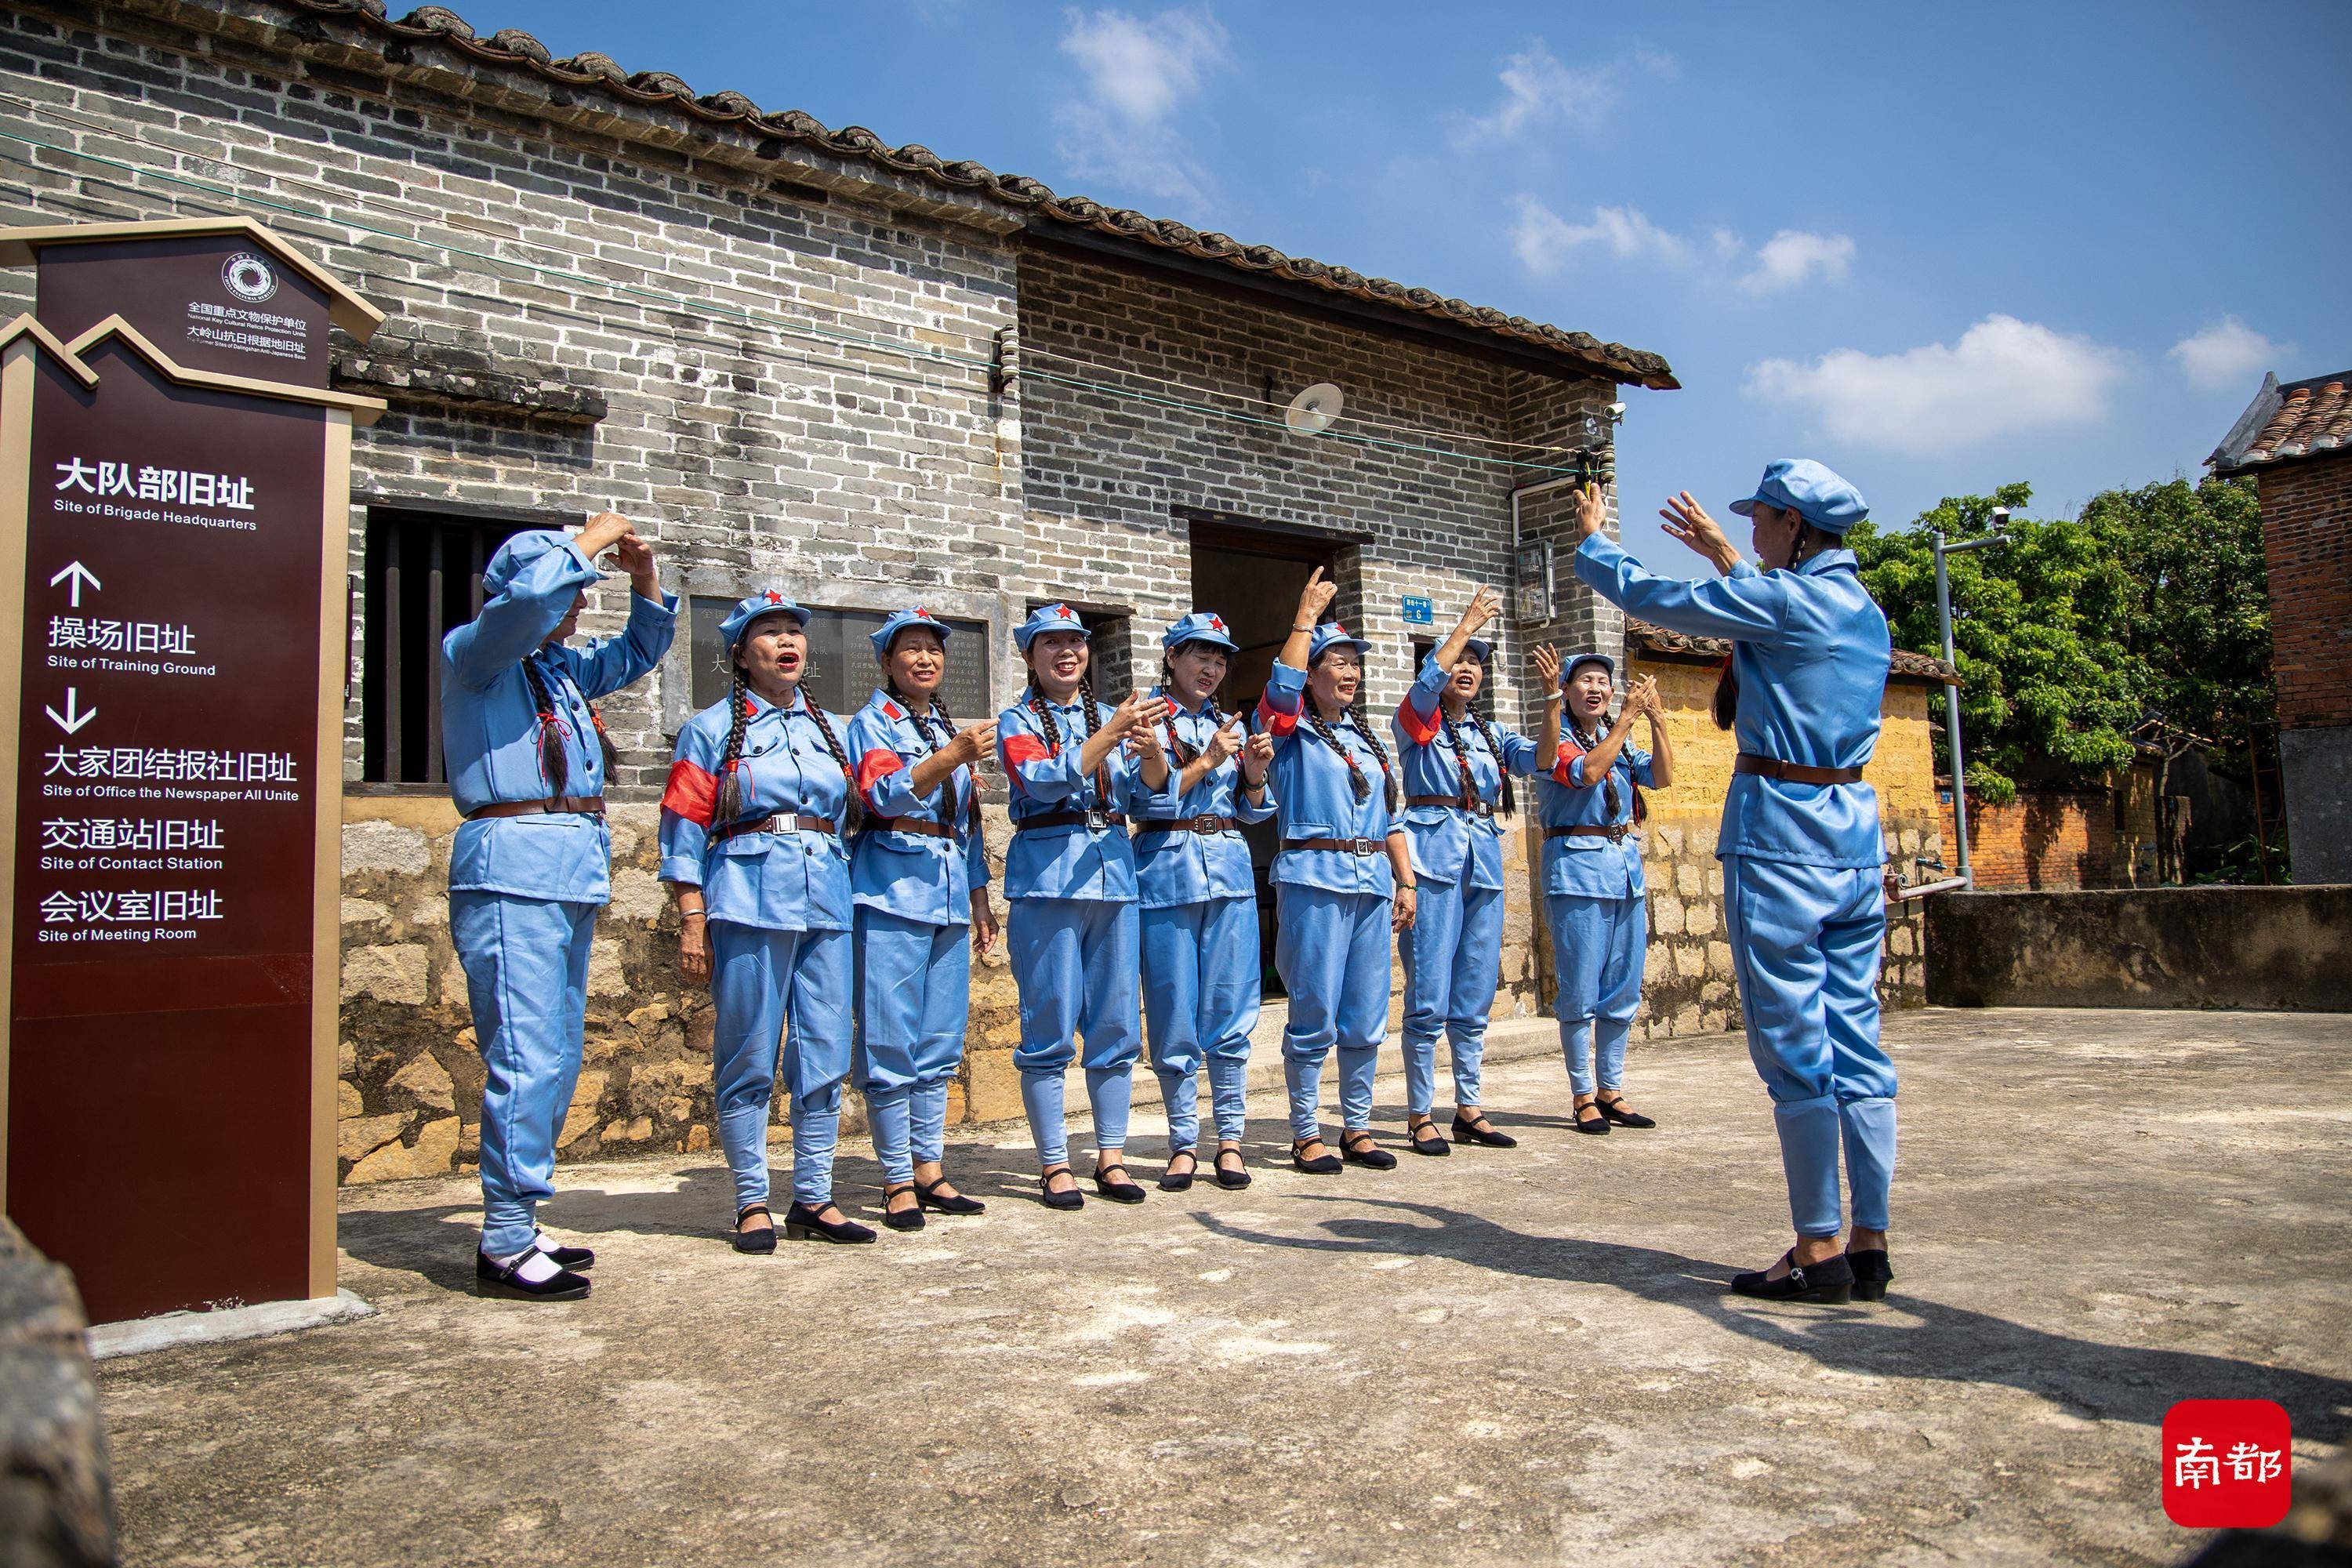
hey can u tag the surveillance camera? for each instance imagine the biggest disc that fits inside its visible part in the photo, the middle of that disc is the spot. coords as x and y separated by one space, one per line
1616 411
2000 517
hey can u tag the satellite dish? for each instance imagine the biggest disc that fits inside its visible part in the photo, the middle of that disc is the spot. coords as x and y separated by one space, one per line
1311 411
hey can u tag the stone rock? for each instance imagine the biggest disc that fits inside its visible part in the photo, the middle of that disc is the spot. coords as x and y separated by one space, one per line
585 1098
1718 958
605 976
360 1136
676 1108
347 1057
384 847
1666 914
646 1017
435 1150
428 1080
453 993
348 1103
1689 879
1689 961
393 971
56 1505
427 911
698 1138
635 1132
363 911
638 896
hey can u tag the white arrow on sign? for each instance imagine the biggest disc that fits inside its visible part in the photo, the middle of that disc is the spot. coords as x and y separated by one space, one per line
74 576
69 720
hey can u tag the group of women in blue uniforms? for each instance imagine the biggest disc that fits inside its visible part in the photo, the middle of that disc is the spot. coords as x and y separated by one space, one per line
832 879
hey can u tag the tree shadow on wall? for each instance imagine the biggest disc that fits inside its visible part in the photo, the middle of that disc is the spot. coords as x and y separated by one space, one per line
1908 1337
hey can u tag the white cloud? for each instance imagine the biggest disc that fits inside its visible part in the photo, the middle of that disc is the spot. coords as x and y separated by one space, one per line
2227 354
2002 375
1139 72
1545 241
1793 256
1538 90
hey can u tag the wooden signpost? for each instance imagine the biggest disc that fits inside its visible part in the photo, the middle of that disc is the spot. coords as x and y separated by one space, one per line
174 503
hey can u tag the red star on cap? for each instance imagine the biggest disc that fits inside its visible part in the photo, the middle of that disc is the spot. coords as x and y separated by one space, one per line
921 614
1216 623
773 597
1340 630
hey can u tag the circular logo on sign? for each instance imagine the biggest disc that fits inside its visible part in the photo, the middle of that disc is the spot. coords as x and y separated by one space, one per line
248 277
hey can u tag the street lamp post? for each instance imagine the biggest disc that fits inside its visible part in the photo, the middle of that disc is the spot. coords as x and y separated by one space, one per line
1952 693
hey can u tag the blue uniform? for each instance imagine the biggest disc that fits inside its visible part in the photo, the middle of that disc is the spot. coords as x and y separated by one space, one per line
524 889
1454 953
1802 862
776 903
1200 938
1332 949
1596 907
1072 933
913 892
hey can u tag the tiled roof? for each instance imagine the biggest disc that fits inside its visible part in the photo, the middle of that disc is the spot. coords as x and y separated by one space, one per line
512 49
2301 420
1657 640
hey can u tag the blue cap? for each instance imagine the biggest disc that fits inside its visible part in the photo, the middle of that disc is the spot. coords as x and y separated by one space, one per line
1568 671
1482 647
898 622
1329 635
1199 627
518 552
1055 617
768 602
1813 492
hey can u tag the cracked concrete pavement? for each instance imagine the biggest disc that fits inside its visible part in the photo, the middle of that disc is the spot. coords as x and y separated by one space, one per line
1519 1356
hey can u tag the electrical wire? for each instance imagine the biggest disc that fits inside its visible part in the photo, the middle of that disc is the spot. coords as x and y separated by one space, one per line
636 294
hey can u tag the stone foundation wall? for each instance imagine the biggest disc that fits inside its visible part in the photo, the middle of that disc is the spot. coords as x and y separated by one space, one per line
409 1098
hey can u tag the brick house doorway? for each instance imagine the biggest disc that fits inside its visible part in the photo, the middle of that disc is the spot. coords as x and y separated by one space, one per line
1251 572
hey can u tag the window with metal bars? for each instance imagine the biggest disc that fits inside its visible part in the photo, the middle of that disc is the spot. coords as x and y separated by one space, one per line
423 575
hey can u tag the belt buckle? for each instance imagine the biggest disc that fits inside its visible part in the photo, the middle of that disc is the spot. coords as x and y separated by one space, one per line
1097 821
1480 808
1360 846
1206 823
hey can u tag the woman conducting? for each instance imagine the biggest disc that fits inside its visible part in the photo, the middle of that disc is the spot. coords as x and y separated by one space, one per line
1801 844
1343 879
753 845
918 874
531 863
1078 767
1200 902
1595 899
1457 779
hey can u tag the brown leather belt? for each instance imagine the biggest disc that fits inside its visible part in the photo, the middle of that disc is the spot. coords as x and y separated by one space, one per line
1793 773
553 806
1339 846
1475 808
1096 821
1186 824
779 824
1614 832
914 825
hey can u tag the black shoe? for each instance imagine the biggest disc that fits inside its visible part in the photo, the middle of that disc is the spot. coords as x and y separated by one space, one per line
1327 1163
803 1223
1073 1199
909 1218
761 1240
492 1278
1121 1191
1361 1150
1433 1144
579 1259
1597 1125
1480 1131
930 1197
1829 1280
1872 1275
1236 1178
1170 1180
1616 1111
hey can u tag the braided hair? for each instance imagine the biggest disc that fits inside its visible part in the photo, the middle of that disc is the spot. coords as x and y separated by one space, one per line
731 760
1356 779
853 814
1183 749
1609 780
1509 802
553 760
1087 716
922 722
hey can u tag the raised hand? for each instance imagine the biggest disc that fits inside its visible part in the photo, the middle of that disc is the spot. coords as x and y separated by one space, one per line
972 744
1136 709
1546 660
1483 606
601 532
1591 510
636 558
1314 598
1257 756
1226 742
1642 696
1143 742
1687 522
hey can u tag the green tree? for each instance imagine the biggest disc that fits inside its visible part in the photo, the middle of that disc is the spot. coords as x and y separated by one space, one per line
2042 632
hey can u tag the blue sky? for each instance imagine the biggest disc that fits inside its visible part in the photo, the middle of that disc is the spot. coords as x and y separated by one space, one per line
1940 248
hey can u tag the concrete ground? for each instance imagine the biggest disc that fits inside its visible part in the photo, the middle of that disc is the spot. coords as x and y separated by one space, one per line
1523 1356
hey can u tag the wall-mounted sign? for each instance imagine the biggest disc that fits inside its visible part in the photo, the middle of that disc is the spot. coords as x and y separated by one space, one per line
1418 611
174 495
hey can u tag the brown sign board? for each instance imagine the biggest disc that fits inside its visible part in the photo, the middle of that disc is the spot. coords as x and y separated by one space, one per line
171 548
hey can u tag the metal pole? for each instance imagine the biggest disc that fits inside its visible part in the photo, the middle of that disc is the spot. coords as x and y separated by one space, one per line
1952 713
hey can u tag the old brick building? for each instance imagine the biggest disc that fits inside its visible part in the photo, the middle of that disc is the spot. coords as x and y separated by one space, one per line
803 358
2296 441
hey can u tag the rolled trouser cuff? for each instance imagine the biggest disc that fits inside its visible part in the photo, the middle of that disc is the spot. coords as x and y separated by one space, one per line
1810 1133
